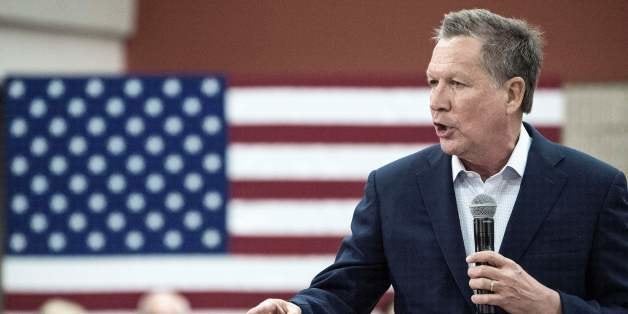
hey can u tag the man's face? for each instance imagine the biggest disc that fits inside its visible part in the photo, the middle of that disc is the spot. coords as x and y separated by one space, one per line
468 108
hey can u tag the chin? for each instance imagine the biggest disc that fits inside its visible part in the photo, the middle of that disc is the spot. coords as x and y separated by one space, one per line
448 148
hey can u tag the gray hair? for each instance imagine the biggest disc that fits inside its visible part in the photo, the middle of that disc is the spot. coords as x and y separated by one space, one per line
510 47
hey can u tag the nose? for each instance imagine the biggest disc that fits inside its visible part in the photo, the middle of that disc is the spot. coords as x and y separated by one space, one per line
440 98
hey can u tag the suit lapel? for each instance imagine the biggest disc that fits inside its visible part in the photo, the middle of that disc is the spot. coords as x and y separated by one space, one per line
540 187
436 187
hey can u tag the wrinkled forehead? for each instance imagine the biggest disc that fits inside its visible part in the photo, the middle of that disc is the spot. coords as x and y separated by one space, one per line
456 54
459 49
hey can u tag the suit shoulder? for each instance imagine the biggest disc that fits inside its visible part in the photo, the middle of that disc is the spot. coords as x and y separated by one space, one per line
581 163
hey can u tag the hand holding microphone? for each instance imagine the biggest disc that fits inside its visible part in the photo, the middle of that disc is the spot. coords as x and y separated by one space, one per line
497 280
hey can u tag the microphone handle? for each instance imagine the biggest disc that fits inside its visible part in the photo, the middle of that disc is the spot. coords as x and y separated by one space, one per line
484 234
484 239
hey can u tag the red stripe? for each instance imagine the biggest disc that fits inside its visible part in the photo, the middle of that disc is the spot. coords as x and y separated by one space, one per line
329 80
335 134
129 300
552 133
549 81
331 134
284 245
350 80
296 189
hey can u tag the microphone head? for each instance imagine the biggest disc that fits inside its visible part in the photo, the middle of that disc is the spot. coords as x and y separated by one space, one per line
483 206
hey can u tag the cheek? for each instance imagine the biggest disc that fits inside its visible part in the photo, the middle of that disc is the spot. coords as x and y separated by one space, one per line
479 112
470 120
473 125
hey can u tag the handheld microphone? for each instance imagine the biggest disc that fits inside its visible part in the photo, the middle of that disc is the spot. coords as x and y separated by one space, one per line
483 209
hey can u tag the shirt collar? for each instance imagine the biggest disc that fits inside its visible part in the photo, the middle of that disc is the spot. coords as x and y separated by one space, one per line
516 162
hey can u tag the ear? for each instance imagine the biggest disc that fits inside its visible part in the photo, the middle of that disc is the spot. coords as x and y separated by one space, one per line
516 88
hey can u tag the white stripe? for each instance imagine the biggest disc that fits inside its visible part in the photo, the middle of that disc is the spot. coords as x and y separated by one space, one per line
308 105
295 218
144 273
311 161
548 108
356 106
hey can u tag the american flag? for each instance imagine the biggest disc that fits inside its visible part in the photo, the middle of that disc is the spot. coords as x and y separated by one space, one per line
121 185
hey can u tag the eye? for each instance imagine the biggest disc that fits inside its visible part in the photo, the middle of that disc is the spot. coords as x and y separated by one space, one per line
432 83
456 84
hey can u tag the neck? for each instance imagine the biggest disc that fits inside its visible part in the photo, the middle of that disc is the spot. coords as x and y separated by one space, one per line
486 169
493 160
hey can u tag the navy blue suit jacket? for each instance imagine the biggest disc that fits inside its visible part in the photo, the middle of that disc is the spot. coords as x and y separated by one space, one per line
568 229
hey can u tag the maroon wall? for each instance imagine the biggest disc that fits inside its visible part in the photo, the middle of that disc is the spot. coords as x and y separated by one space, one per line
586 40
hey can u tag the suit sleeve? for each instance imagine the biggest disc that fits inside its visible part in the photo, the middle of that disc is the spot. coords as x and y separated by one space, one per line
359 275
607 274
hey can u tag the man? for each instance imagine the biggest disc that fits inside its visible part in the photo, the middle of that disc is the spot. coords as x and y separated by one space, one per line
561 227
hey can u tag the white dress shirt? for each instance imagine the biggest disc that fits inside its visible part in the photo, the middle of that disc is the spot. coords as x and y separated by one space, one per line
503 187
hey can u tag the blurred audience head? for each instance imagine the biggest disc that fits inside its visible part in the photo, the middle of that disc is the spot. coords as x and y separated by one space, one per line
163 302
60 306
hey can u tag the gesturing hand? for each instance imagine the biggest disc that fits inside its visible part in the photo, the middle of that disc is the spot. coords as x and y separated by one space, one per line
514 290
275 306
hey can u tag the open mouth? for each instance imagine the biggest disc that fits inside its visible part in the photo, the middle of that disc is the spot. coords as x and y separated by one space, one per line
442 130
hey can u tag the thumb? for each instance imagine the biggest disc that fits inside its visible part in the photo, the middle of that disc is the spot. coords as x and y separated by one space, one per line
275 306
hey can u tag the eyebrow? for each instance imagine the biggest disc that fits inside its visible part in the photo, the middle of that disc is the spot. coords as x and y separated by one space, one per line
450 74
428 74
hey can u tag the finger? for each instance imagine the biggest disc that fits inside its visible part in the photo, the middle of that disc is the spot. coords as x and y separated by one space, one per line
268 306
292 308
494 299
261 308
482 283
285 307
490 257
485 271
